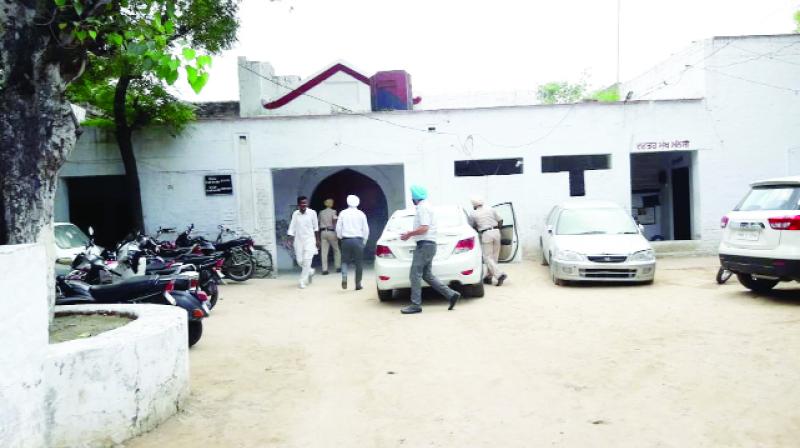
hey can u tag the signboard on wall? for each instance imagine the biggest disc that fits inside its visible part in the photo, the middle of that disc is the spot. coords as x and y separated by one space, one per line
219 184
674 145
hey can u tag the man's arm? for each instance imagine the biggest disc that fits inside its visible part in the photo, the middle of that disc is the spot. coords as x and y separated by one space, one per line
290 232
339 228
421 230
365 226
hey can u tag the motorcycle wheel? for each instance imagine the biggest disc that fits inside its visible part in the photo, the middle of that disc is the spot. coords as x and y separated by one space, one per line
212 289
239 266
723 275
195 331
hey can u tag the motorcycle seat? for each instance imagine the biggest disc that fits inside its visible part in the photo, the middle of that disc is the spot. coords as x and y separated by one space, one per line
129 289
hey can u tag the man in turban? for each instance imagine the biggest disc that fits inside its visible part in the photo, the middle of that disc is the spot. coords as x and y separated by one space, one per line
352 228
424 234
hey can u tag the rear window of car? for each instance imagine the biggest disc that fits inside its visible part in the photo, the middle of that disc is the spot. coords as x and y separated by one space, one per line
69 237
772 197
445 217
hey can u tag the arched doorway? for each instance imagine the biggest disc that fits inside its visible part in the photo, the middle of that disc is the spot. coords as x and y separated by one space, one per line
373 201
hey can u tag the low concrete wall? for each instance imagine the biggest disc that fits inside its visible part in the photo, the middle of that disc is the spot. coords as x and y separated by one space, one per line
23 330
105 389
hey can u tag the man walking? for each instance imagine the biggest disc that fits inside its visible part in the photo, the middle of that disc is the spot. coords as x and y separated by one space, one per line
327 234
353 230
424 233
304 230
488 223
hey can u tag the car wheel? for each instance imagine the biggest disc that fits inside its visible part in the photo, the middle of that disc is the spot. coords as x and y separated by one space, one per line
544 259
476 290
556 281
756 284
384 295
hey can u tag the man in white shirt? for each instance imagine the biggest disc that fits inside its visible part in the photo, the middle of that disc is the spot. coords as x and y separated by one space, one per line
424 233
352 228
304 230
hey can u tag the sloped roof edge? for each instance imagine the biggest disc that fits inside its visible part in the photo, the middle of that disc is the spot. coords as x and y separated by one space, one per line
313 82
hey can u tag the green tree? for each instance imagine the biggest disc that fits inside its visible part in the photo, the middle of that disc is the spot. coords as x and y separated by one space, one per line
797 19
561 92
129 88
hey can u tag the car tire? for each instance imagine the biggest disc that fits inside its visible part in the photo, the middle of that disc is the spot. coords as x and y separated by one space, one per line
476 290
384 295
544 259
756 284
556 281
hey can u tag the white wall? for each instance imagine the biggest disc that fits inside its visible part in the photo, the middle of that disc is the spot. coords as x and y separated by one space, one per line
172 170
24 332
103 390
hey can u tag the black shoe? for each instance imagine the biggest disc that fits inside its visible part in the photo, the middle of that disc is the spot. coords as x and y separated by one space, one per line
324 272
501 279
358 287
411 309
487 280
344 283
338 270
453 299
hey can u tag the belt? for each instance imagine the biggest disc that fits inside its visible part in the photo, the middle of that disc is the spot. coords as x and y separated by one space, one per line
352 238
329 229
490 228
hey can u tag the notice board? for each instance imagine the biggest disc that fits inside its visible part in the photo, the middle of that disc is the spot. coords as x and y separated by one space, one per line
218 185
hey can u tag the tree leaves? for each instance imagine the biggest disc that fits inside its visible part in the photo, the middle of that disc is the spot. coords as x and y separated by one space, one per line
188 53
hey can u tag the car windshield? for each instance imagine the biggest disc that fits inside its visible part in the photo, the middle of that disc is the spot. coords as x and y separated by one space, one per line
595 221
445 217
773 197
70 237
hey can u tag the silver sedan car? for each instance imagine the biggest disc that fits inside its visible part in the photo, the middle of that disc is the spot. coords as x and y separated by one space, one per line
587 240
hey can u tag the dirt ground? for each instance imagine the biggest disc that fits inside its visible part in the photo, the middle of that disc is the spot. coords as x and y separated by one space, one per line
682 363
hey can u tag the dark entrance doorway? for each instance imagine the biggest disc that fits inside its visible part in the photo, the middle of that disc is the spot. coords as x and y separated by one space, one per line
681 196
100 202
373 201
661 193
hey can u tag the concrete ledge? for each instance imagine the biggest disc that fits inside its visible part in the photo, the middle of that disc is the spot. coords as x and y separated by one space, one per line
106 389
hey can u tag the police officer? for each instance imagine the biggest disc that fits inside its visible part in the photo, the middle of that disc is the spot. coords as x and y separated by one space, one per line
327 234
488 223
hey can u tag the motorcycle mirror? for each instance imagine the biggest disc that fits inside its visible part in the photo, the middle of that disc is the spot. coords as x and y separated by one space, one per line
91 231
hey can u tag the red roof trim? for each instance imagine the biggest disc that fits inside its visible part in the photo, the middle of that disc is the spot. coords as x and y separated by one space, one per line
313 82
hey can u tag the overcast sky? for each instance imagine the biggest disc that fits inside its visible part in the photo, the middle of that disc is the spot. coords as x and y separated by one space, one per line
452 47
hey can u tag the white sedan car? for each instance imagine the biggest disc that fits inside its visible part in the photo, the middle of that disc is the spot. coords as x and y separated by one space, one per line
458 258
595 241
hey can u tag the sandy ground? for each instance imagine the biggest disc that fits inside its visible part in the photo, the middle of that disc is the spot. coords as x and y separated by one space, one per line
683 363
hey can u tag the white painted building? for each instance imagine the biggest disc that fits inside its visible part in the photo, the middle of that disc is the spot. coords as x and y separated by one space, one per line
680 151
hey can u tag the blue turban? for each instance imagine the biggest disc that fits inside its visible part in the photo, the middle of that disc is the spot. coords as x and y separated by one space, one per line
418 193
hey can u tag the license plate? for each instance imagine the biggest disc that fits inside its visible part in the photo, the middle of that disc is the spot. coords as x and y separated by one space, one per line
747 235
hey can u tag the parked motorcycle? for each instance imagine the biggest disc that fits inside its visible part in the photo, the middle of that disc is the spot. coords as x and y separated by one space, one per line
164 290
238 261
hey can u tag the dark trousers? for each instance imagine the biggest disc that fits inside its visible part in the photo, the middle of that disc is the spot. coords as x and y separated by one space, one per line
421 266
353 253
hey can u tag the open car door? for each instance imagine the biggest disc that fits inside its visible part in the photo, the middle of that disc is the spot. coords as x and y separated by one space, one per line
509 239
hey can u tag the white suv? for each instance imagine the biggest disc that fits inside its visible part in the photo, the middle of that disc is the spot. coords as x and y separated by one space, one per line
761 236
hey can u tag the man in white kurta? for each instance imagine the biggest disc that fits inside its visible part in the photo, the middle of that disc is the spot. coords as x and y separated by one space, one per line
304 229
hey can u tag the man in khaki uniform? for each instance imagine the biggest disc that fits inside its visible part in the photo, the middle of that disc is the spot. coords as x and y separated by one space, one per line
327 233
487 222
